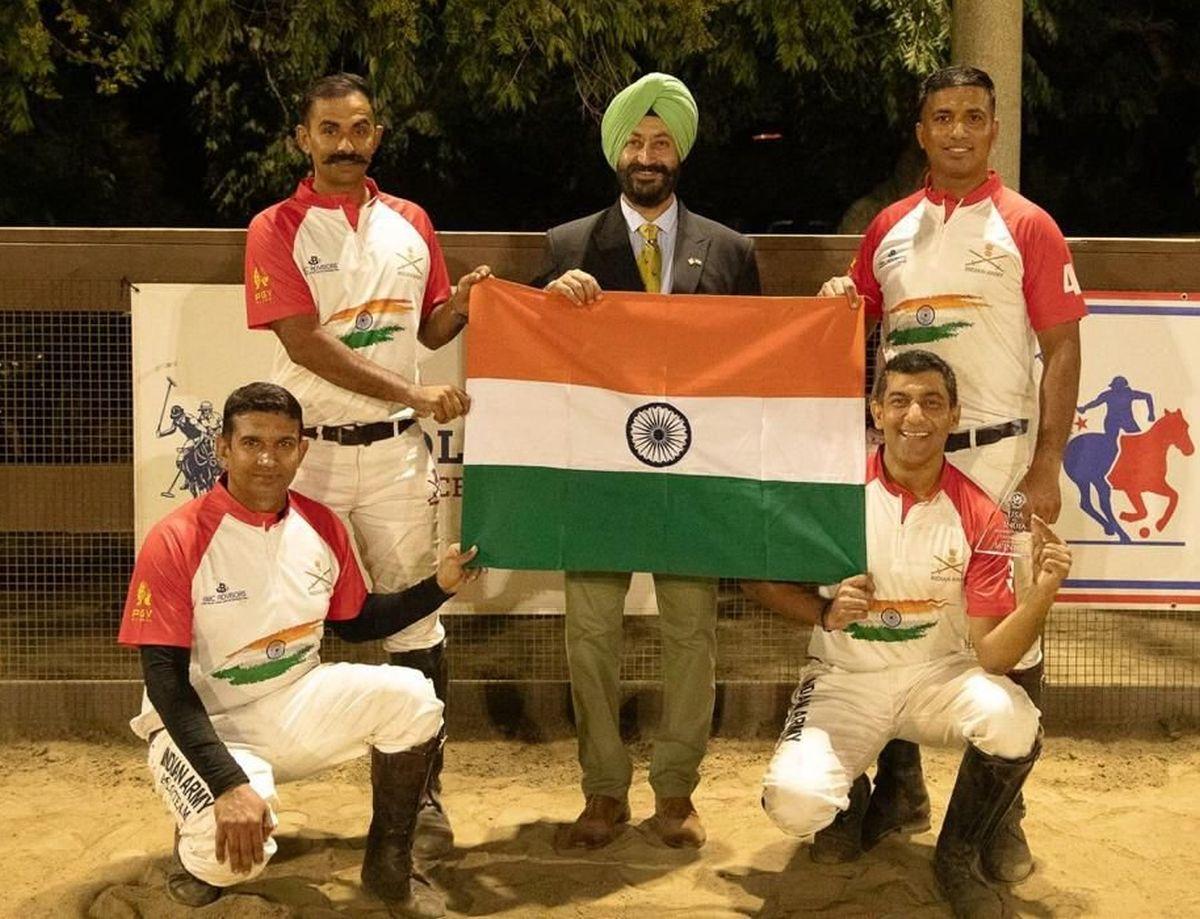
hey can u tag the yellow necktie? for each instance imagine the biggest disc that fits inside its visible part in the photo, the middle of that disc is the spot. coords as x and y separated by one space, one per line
650 259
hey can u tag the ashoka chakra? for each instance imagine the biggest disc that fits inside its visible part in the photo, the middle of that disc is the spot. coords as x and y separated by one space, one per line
658 434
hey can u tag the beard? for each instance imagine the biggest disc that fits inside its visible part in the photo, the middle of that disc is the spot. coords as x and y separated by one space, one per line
647 192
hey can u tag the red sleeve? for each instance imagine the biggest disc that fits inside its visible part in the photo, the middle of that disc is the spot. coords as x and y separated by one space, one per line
158 608
1052 292
275 288
349 591
987 582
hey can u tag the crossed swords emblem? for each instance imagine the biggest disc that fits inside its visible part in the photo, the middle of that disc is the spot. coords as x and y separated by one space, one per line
991 260
951 564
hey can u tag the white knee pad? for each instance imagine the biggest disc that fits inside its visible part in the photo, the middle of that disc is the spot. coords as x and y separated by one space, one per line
799 799
1005 722
411 711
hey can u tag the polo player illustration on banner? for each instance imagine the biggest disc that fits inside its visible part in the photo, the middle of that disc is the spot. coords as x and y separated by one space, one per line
1126 458
196 460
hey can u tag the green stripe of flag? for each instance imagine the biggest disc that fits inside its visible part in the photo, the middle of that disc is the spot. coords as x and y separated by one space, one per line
362 338
884 633
533 517
921 335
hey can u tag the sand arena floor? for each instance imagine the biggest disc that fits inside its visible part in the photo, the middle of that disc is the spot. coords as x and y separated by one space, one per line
1113 822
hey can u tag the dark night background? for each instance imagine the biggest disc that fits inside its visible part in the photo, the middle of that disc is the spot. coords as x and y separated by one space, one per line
1111 143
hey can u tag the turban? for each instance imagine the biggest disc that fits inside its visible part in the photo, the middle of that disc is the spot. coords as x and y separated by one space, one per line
666 96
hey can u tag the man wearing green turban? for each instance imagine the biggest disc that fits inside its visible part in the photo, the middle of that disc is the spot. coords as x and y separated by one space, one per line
646 241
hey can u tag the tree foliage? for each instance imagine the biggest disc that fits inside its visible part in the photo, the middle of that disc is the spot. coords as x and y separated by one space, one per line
446 72
492 106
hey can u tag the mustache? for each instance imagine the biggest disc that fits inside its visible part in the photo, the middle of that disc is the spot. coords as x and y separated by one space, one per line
654 167
336 158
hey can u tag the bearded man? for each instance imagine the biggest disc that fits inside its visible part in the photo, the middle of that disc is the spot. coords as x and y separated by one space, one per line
646 241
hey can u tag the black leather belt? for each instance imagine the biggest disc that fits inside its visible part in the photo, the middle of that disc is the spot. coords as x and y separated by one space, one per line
988 434
359 435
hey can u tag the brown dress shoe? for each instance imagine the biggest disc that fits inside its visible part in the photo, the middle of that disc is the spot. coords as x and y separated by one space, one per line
676 823
599 823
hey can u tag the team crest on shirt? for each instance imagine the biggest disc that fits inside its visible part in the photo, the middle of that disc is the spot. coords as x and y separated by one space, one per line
989 261
948 566
320 578
412 264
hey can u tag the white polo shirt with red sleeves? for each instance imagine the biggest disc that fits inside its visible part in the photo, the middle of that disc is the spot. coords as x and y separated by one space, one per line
928 575
972 280
248 593
369 272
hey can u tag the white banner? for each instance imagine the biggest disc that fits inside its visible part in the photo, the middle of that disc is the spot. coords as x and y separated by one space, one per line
191 348
1131 478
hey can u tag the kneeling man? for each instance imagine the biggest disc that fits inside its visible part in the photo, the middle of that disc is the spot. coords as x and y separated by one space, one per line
916 647
228 602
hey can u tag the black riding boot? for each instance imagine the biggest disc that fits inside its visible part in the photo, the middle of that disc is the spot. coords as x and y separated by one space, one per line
435 837
184 887
983 794
841 841
398 781
1007 858
899 802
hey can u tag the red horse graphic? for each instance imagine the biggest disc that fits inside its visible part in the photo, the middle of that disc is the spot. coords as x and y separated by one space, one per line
1141 465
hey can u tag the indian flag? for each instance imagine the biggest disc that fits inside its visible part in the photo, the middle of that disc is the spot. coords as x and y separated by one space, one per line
372 322
922 320
896 620
272 655
696 435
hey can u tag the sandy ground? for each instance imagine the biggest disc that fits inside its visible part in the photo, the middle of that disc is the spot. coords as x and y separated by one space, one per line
1113 822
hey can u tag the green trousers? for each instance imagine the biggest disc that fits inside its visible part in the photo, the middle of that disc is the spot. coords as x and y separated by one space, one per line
688 619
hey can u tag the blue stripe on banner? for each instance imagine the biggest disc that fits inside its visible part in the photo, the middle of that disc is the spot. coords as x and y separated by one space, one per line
1143 310
1117 542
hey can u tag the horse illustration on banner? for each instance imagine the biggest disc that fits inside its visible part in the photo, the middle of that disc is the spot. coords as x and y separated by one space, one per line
1125 458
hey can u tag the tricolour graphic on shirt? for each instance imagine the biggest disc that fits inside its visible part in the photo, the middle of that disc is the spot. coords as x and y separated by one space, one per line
270 656
896 620
922 320
372 322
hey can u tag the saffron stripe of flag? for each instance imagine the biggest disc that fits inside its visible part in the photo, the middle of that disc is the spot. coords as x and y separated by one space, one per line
713 436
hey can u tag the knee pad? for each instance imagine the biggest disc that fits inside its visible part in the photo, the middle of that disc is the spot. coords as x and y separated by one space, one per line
1007 726
796 810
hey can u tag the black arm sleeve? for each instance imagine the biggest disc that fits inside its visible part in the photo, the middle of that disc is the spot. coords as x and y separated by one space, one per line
165 670
385 614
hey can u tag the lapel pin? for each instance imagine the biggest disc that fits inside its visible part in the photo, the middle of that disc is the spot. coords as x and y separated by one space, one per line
694 262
